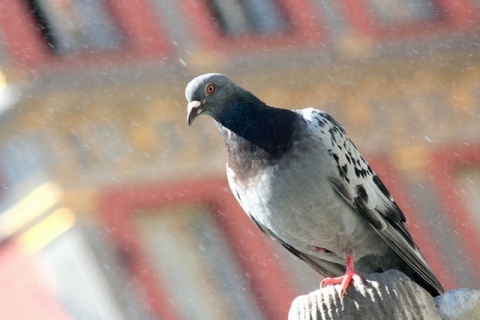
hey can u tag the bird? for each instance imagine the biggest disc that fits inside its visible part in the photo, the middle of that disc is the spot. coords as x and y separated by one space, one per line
302 181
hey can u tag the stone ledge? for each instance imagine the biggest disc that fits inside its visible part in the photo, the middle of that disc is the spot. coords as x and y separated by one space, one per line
388 295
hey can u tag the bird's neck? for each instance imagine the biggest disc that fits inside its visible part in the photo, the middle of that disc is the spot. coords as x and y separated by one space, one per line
256 135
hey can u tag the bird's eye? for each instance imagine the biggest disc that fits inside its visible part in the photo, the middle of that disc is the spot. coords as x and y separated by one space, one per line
210 88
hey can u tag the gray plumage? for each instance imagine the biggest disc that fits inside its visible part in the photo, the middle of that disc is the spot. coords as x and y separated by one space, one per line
303 182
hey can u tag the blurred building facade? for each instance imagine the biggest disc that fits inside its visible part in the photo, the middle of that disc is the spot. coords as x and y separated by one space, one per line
112 208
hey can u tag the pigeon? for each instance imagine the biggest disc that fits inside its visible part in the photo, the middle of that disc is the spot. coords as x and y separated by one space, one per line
303 182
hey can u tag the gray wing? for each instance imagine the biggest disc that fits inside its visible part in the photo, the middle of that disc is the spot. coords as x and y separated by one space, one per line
324 267
363 190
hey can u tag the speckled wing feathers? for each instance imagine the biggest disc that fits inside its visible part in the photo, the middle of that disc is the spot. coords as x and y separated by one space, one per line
361 188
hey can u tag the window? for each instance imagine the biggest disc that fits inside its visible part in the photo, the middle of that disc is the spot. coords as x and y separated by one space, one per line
234 17
455 173
58 270
391 12
39 32
399 17
195 253
75 25
333 17
80 285
253 24
191 255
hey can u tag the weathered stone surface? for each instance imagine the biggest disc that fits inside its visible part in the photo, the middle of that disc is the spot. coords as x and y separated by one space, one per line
459 304
389 295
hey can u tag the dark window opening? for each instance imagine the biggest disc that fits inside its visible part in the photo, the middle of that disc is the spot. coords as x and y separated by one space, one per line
393 12
72 26
237 17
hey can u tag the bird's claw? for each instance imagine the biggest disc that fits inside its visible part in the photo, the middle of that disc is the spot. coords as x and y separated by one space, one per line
343 280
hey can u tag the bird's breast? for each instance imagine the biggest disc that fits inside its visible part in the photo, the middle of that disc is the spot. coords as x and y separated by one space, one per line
293 197
297 204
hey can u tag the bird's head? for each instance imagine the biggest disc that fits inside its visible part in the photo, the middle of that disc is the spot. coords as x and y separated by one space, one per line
209 94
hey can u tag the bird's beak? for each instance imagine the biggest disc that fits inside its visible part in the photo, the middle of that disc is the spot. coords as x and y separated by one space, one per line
193 111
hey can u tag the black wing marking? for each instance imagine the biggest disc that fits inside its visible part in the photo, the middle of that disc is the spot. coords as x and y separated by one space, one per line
361 188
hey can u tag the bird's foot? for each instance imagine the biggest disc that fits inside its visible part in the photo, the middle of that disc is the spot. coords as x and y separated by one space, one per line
349 275
343 280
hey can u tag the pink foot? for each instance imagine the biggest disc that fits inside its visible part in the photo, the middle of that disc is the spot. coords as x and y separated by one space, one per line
344 280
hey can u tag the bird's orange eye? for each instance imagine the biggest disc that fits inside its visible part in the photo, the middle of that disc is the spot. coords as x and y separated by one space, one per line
210 88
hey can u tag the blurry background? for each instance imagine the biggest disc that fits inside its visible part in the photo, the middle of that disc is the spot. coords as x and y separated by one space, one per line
112 208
